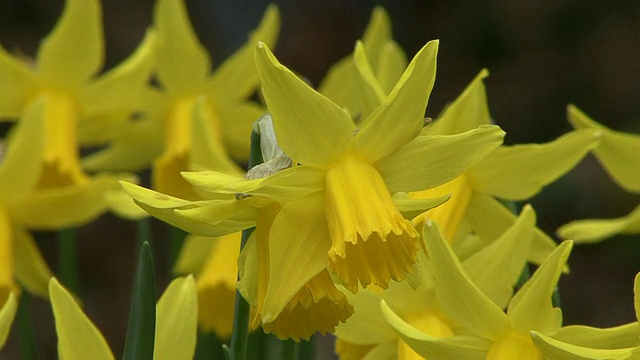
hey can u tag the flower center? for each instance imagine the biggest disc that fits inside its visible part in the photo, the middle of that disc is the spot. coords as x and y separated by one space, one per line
514 346
371 241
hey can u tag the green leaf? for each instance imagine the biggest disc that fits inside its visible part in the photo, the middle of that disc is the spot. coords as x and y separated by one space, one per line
142 318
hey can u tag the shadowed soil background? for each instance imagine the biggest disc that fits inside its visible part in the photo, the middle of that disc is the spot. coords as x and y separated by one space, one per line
541 56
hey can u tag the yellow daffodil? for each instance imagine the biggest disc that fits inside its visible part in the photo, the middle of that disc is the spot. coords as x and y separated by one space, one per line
486 332
175 332
617 153
7 314
79 107
188 86
509 172
494 269
617 348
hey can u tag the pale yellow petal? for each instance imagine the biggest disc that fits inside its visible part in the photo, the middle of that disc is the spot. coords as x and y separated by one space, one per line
310 128
374 95
458 296
248 275
410 208
399 120
518 172
183 63
7 314
388 351
17 82
123 205
78 337
73 52
342 85
391 64
193 254
441 158
531 307
21 162
554 349
30 267
237 77
377 34
367 325
594 230
176 321
636 297
467 112
299 233
608 338
618 152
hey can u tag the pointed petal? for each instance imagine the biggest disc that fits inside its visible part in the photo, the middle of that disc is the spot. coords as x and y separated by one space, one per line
388 351
609 338
237 78
299 233
377 33
490 219
467 112
248 276
122 205
554 349
176 323
400 118
531 307
78 337
31 269
342 85
495 269
410 208
236 119
183 63
458 296
17 82
221 217
82 203
367 325
7 314
193 254
455 348
441 158
74 51
310 128
373 92
21 164
520 171
119 87
391 64
593 230
618 152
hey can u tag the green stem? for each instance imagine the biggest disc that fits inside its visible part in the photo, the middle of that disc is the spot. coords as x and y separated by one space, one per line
68 260
27 341
240 334
289 350
305 350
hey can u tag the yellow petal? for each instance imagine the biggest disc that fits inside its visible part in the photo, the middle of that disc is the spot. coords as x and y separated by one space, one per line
441 158
410 208
594 230
237 77
510 252
518 172
432 348
458 296
221 217
78 337
31 269
367 326
636 298
391 64
554 349
617 152
21 163
7 314
399 120
608 338
531 307
349 351
74 50
299 232
183 63
119 87
302 116
467 112
7 258
236 119
343 85
377 34
17 82
193 254
122 205
373 93
176 321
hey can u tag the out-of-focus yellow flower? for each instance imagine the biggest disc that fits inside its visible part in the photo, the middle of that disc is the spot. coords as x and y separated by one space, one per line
7 314
175 332
221 130
80 109
618 153
494 269
486 332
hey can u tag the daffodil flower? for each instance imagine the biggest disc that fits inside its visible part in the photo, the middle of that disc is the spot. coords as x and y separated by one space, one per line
617 153
616 348
486 331
494 269
80 109
509 172
7 314
222 128
175 332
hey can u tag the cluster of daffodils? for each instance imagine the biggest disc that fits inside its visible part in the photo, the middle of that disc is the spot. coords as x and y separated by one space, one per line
356 215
